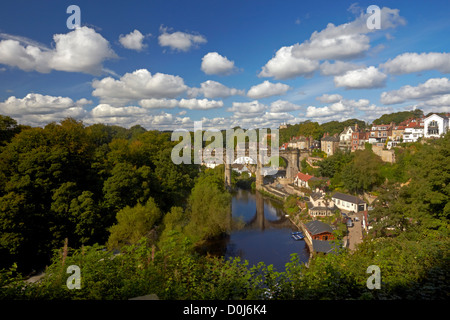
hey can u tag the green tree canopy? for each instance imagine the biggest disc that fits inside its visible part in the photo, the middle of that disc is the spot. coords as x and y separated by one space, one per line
134 223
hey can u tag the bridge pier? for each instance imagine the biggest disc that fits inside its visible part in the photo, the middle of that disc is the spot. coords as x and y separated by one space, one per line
227 175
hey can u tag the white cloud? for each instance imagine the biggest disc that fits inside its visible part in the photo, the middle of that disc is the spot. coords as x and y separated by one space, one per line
366 78
345 41
283 106
267 89
130 115
192 104
154 103
284 65
140 84
214 89
107 111
337 68
426 90
35 103
179 40
281 116
342 109
414 62
37 109
81 50
247 109
329 98
214 63
133 40
200 104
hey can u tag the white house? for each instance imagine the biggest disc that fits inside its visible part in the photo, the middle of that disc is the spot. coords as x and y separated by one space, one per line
345 137
348 202
435 126
413 132
320 206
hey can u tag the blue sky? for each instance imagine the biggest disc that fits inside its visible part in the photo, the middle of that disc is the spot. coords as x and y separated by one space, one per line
166 64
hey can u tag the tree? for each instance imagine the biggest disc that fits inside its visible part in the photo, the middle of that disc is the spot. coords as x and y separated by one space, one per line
363 172
134 223
209 209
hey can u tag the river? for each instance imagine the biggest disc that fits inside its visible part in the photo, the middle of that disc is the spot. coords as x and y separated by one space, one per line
264 233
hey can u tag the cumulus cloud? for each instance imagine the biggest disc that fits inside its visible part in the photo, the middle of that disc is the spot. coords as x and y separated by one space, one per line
283 106
267 89
81 50
430 88
37 109
192 104
345 41
178 40
329 98
337 68
284 65
140 84
214 63
131 115
366 78
133 40
414 62
200 104
344 108
247 109
107 111
214 89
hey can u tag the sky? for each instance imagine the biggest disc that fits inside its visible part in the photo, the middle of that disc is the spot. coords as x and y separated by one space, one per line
167 64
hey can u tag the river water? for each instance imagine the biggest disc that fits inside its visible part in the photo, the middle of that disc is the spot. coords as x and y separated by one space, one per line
264 233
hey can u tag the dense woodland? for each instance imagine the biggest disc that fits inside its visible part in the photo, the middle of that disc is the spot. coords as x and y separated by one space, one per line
134 221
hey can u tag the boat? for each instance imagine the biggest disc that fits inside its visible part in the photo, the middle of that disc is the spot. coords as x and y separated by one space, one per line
297 236
297 232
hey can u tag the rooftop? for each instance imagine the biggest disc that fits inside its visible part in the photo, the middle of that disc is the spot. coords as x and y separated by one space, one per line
347 197
317 227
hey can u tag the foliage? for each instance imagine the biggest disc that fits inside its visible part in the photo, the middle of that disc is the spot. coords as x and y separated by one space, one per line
70 181
133 224
363 172
398 117
290 205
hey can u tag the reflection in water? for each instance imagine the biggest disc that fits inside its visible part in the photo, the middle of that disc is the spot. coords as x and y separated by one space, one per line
260 232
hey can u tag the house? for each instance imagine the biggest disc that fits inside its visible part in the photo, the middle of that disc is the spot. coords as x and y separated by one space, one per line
348 202
345 138
413 131
319 206
300 142
380 133
435 126
319 230
302 180
358 140
329 144
284 146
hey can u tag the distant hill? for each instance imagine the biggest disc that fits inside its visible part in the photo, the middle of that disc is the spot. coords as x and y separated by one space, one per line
398 117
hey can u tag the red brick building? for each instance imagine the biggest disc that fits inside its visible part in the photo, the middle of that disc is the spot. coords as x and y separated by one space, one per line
319 230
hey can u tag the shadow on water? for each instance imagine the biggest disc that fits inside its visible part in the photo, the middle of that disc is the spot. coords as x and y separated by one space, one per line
260 232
